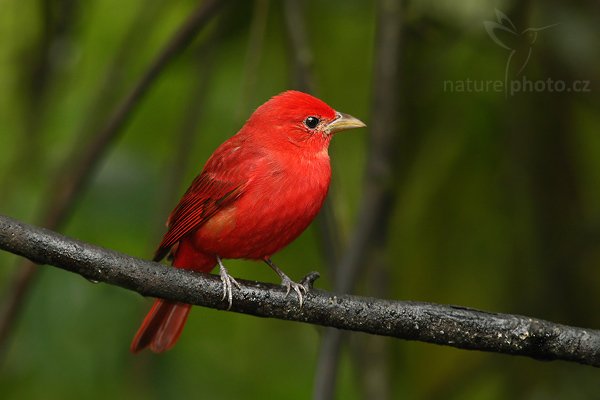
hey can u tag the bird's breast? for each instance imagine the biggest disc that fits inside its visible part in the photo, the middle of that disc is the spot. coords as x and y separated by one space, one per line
280 201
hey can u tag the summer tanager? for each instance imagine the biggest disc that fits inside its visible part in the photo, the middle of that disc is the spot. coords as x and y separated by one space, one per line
257 192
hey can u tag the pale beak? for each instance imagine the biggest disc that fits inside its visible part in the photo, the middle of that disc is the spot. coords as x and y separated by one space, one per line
343 122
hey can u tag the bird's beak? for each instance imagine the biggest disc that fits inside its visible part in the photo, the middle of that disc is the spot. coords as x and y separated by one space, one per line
343 122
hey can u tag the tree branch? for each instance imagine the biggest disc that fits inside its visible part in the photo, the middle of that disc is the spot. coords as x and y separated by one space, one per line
302 78
378 192
446 325
78 168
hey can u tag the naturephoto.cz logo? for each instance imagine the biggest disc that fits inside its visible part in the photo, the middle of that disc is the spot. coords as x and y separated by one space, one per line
520 46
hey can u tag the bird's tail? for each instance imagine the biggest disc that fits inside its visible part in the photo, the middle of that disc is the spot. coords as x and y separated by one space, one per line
164 323
161 327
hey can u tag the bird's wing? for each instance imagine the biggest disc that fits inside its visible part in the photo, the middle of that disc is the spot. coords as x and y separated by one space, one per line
225 177
203 199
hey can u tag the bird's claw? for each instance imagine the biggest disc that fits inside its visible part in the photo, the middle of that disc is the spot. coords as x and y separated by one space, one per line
288 283
298 288
228 282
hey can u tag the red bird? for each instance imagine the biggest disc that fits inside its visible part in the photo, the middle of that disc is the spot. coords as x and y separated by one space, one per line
257 192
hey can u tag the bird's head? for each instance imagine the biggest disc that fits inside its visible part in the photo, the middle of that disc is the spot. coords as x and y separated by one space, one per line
299 119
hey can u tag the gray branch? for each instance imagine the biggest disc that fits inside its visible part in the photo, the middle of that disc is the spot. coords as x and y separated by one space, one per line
440 324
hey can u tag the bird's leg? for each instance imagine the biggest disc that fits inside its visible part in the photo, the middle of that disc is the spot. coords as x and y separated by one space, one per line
227 280
287 282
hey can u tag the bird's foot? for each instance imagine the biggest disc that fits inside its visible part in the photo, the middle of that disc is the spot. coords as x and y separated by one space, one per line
228 282
300 290
289 284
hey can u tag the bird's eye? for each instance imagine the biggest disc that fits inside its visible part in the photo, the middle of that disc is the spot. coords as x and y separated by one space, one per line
311 122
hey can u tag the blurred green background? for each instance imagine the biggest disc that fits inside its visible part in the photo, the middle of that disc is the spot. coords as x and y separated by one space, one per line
496 198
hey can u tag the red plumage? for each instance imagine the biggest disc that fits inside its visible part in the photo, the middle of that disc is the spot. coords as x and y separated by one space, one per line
257 192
